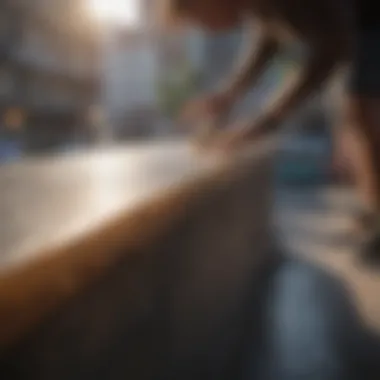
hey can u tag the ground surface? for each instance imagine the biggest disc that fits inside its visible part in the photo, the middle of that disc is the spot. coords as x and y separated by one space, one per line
315 224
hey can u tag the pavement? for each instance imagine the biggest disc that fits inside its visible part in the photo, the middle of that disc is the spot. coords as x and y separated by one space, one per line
314 223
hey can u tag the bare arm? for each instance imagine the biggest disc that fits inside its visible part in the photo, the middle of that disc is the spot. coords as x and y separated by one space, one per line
310 77
329 45
261 47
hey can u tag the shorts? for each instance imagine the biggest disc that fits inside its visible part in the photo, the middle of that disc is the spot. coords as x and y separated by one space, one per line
364 78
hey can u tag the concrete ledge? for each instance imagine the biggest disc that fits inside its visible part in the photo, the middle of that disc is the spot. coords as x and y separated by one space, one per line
157 278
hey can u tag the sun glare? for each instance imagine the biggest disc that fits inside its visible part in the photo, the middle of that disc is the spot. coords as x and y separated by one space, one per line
125 12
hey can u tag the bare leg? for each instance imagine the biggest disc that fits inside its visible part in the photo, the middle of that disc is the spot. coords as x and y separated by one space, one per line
343 146
363 121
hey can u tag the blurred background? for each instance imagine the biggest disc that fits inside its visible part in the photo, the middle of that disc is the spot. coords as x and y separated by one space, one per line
78 73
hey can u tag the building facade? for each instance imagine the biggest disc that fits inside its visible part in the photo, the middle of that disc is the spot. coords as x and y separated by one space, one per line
129 81
49 72
136 63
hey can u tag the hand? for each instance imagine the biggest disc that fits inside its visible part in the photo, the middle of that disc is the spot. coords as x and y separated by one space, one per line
242 134
208 107
231 140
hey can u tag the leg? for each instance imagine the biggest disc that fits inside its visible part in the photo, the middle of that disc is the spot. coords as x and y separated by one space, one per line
342 164
363 123
362 120
365 116
340 134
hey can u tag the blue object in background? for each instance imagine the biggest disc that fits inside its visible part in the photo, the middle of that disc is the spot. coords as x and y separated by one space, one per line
10 150
303 160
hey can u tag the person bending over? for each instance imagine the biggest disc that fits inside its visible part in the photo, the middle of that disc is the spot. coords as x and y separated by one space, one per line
335 34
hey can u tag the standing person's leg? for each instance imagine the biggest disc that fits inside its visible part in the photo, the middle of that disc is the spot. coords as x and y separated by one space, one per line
341 160
364 128
362 118
340 134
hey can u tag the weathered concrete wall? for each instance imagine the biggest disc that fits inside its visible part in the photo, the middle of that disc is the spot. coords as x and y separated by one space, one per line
187 287
173 307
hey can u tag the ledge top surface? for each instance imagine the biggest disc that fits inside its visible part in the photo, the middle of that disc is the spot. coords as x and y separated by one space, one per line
47 201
